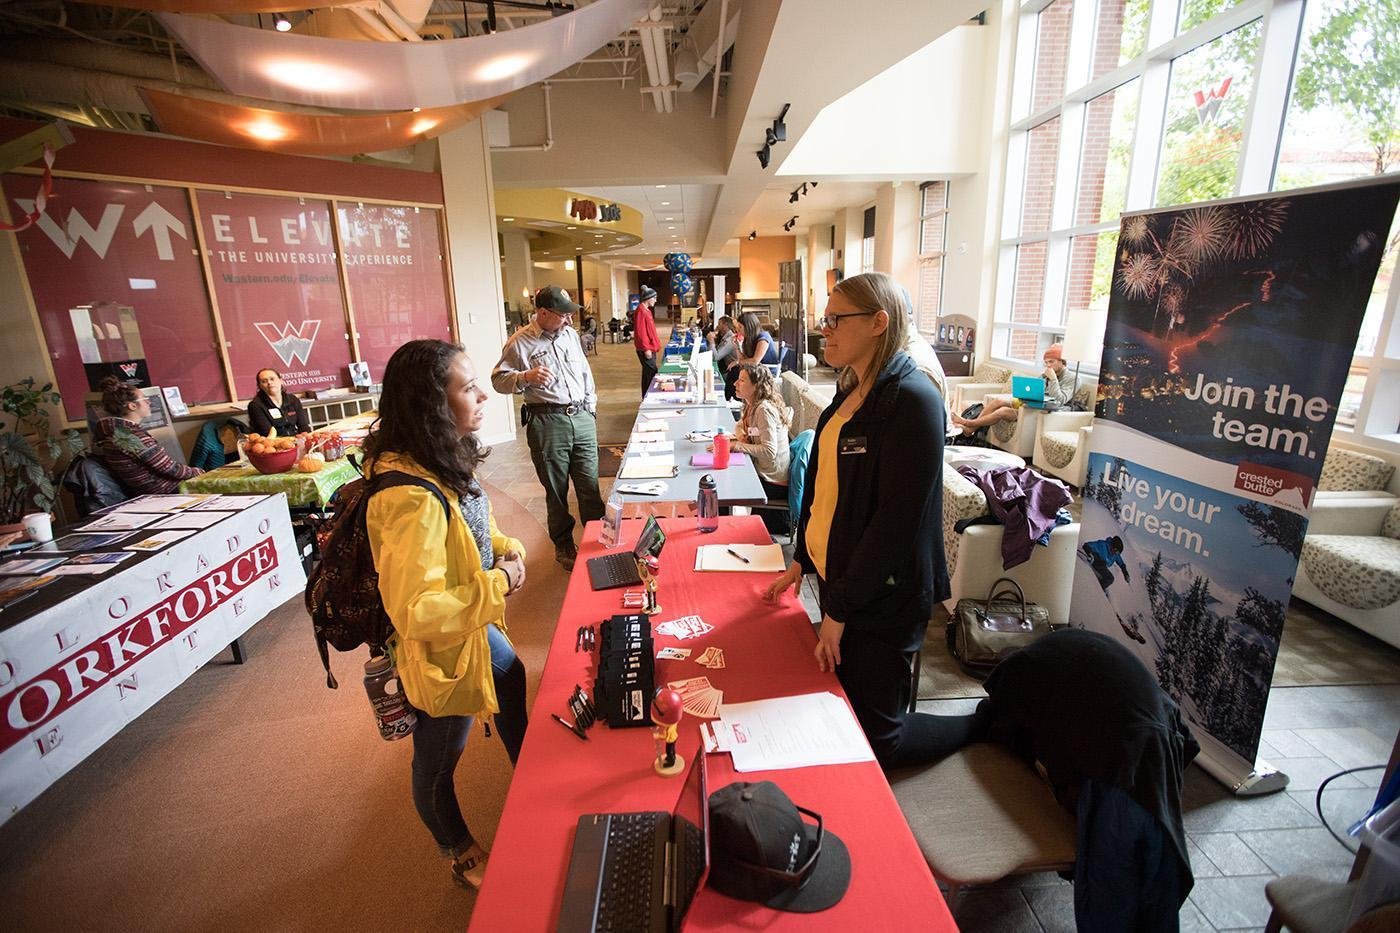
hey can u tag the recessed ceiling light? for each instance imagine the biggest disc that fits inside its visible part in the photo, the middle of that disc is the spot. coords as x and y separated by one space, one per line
660 186
508 219
571 228
665 203
670 218
504 67
266 129
313 75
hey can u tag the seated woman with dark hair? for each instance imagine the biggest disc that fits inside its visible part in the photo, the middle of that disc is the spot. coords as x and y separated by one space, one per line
135 458
273 408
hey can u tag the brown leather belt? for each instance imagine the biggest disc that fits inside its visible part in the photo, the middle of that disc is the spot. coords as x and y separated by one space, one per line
552 408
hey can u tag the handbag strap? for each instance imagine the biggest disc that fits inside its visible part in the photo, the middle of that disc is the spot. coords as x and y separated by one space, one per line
993 593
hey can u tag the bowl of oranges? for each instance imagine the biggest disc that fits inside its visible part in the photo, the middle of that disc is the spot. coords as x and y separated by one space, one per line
271 454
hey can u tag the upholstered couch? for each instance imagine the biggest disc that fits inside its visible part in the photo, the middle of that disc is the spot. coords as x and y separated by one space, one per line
1350 564
1062 444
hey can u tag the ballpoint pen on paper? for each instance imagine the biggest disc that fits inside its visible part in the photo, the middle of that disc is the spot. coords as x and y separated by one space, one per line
733 553
572 728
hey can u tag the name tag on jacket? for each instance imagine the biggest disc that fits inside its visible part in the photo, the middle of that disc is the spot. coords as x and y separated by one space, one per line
274 413
851 445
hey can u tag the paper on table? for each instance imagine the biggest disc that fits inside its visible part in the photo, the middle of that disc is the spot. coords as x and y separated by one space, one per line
660 415
158 503
192 520
650 427
763 558
121 521
220 502
648 467
160 539
91 563
650 444
790 732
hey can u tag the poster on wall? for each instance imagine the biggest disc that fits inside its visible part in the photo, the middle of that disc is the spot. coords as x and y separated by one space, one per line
1231 329
278 288
792 322
394 269
113 270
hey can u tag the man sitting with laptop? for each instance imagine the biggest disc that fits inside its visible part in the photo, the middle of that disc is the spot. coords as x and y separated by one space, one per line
1053 390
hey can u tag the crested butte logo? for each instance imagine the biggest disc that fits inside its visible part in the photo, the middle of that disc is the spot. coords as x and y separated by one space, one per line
290 342
128 369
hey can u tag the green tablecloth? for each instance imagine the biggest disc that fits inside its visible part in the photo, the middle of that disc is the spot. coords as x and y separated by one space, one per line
301 488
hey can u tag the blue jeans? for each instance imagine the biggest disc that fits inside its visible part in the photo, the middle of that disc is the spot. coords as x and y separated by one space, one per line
438 742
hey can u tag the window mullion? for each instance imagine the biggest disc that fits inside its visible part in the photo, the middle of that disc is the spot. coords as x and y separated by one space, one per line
1147 136
1268 106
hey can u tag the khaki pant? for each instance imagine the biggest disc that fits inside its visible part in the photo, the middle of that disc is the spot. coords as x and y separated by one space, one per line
565 447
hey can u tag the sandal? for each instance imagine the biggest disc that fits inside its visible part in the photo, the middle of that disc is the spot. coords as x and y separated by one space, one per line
469 868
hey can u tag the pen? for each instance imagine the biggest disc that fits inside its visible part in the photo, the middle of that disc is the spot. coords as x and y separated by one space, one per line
574 729
733 553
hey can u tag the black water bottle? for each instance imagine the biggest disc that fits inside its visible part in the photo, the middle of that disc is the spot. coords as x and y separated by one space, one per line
392 712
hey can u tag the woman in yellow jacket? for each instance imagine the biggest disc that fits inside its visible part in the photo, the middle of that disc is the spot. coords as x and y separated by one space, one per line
444 580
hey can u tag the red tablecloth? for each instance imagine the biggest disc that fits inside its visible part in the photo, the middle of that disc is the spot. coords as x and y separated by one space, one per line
768 652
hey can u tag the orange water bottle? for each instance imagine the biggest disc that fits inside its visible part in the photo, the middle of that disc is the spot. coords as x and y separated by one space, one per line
721 451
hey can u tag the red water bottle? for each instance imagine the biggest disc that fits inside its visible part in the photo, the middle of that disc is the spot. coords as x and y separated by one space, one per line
721 451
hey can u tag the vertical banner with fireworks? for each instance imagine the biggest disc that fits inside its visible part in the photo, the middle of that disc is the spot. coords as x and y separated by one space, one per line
1231 327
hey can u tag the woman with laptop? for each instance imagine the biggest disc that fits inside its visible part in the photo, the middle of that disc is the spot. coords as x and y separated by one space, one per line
1059 389
445 571
871 522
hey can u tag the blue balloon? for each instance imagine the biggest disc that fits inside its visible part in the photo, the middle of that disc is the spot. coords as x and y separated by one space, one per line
681 284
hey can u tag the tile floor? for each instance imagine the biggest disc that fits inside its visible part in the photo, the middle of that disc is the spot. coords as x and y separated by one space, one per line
1237 844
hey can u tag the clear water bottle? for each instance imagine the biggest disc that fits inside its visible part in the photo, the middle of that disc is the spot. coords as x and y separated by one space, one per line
392 712
707 505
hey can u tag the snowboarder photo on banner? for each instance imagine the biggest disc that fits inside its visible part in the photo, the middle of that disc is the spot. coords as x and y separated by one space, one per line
1102 555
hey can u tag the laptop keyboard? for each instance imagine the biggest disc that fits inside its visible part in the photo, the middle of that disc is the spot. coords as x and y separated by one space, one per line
619 570
624 903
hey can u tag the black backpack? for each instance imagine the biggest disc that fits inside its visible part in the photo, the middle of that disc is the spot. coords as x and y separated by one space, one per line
342 591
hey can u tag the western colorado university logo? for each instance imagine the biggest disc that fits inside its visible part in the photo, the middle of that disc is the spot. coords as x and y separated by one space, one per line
111 655
288 342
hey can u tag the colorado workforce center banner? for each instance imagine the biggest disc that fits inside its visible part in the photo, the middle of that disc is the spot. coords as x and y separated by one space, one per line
1231 327
73 675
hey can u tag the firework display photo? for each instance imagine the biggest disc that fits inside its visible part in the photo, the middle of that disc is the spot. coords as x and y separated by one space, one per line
1231 329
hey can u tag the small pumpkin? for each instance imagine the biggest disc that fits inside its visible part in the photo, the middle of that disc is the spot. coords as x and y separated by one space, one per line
310 465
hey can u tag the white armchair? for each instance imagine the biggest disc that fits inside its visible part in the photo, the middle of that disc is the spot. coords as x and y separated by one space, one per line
974 556
986 379
1062 445
1017 437
1350 563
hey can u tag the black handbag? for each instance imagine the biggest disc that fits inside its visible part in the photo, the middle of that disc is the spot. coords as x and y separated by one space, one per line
983 632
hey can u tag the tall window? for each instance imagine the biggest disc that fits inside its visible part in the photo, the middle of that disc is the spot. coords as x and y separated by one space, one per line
867 243
1123 105
933 228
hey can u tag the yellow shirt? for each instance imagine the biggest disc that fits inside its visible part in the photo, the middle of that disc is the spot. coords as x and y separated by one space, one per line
824 494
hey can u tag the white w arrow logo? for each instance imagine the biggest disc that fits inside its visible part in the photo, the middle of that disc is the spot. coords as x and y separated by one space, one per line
288 342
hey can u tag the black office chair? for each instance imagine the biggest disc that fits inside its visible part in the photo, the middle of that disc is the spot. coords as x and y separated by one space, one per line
92 485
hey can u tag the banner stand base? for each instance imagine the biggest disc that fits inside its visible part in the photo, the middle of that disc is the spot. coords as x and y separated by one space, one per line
1262 780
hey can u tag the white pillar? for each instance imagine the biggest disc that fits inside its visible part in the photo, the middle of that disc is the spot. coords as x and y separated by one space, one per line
897 232
476 279
519 270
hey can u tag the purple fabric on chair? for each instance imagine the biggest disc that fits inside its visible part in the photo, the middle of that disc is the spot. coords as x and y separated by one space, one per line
1024 502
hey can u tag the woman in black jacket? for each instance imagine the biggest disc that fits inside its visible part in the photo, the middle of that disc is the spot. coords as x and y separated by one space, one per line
870 527
274 408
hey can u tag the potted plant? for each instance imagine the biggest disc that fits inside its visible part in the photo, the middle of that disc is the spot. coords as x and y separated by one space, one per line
28 452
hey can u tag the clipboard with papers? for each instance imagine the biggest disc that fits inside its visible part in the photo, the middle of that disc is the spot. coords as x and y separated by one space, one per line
658 467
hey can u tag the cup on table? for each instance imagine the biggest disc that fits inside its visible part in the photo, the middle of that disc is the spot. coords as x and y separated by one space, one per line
39 526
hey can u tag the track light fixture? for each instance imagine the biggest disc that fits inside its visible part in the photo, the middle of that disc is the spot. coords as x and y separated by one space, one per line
800 191
753 234
790 224
281 22
774 134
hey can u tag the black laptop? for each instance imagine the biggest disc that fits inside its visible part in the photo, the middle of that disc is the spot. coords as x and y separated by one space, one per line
614 570
638 872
